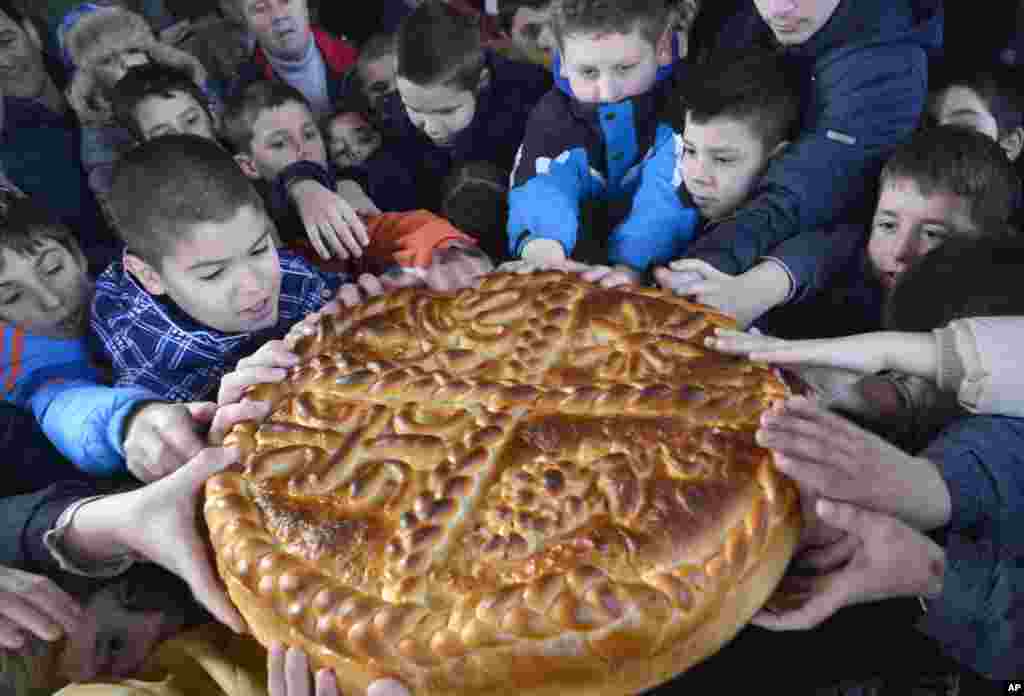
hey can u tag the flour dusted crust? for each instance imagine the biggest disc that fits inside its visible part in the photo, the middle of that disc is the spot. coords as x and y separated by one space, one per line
538 487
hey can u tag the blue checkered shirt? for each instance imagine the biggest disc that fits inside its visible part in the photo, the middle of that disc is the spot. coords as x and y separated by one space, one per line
152 343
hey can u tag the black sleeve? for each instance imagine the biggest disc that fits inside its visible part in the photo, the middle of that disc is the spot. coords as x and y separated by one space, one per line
27 517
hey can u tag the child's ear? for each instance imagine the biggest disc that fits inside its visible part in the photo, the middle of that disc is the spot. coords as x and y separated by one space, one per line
33 35
485 79
248 166
663 48
147 276
1012 143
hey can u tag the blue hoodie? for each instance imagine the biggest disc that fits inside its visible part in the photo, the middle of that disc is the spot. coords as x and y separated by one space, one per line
619 153
866 83
979 617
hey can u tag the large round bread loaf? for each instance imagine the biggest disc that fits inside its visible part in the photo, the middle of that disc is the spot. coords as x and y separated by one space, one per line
538 487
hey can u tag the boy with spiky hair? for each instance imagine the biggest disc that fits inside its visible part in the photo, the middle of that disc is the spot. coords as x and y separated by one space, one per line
457 101
589 142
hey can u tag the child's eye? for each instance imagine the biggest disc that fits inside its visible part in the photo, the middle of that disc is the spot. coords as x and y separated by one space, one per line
935 235
276 144
588 73
885 226
10 299
689 151
259 251
312 135
724 160
626 68
55 269
212 276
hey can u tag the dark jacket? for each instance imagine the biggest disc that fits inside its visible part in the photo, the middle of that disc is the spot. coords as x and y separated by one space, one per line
27 517
41 152
849 302
866 82
979 617
616 154
493 135
387 178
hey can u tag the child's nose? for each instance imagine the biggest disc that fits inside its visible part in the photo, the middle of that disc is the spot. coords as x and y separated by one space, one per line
609 89
48 299
908 247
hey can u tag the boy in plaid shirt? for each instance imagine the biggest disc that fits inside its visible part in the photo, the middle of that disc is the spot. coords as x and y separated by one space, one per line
201 284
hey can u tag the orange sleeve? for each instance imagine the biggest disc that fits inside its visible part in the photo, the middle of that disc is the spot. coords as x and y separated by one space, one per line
409 239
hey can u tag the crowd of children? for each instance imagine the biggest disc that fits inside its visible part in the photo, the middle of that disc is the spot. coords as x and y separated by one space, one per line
181 196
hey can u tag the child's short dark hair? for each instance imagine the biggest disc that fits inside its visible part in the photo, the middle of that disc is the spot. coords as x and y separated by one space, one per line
962 162
757 88
507 10
962 278
649 17
474 198
24 226
164 187
148 80
242 110
436 45
375 47
996 88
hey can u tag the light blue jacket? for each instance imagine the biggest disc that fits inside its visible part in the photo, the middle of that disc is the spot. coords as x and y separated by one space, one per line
55 379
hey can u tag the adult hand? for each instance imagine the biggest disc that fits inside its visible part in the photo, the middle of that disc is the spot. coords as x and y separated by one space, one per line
288 675
34 604
144 520
836 459
332 225
609 277
269 364
892 560
745 297
160 437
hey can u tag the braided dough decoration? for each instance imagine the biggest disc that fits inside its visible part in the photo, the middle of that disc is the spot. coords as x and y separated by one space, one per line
537 487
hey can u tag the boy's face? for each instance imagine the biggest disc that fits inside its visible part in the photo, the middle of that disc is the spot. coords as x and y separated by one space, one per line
225 276
722 160
531 32
351 140
22 71
378 79
281 27
47 293
607 68
908 224
440 111
961 106
795 21
281 136
114 641
176 114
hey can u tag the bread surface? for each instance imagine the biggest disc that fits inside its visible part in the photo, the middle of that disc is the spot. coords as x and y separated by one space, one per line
535 487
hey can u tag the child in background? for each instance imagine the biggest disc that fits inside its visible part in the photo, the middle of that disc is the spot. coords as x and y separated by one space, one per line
153 100
47 368
985 100
103 43
942 340
528 25
474 198
279 145
458 102
588 143
362 153
944 183
374 77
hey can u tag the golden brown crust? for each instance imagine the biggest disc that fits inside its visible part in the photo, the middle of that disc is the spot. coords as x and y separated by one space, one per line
538 487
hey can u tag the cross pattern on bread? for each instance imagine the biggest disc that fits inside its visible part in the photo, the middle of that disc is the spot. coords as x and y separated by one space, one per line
539 472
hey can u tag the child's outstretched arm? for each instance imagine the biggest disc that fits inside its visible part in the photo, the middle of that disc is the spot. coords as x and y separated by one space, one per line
909 353
660 225
745 296
551 176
